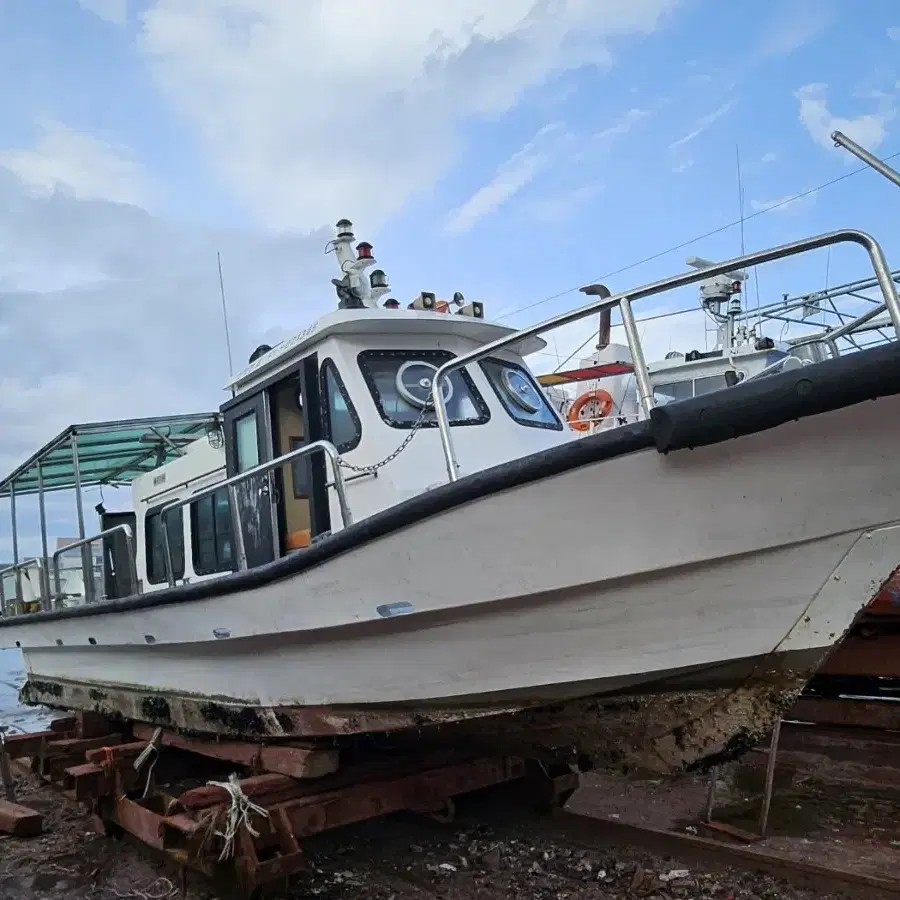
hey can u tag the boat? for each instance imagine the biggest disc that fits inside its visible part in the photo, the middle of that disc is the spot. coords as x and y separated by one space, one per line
388 534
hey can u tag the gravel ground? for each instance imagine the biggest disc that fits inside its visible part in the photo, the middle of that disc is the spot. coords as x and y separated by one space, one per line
401 858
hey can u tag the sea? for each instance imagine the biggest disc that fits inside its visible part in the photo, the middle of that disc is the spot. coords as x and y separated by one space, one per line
15 718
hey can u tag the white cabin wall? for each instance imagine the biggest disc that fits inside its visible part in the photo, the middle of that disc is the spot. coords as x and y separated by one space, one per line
421 465
202 466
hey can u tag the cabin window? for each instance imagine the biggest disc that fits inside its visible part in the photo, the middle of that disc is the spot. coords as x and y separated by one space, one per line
520 395
400 382
212 549
155 546
340 421
246 442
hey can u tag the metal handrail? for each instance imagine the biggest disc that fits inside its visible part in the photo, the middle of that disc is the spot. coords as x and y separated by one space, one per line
841 140
17 567
325 447
624 300
86 542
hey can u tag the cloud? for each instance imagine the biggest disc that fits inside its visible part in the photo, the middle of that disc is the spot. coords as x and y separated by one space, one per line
789 205
558 207
112 11
513 175
309 111
83 166
894 33
868 129
622 125
703 124
130 322
683 166
768 158
794 25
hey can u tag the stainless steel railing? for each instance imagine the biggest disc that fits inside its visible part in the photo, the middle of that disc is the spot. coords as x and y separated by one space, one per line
45 598
18 568
123 529
230 484
624 300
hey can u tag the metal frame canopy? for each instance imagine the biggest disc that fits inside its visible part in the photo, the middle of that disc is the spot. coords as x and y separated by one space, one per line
105 453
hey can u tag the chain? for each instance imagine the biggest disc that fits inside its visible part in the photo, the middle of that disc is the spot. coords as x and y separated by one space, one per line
372 469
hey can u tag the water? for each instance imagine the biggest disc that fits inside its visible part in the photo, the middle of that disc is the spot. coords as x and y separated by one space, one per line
15 717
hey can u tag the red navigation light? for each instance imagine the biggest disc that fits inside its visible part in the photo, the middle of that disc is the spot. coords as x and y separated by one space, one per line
735 287
364 250
391 303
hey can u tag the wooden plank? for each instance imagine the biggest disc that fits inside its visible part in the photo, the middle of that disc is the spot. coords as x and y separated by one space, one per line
93 725
21 745
20 821
69 746
282 759
67 724
86 782
117 754
266 790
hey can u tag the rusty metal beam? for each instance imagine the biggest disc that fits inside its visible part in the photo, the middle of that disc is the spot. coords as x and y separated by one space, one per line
595 832
877 656
873 714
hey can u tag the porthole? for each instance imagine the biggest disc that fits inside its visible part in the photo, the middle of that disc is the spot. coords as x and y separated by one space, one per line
414 383
520 390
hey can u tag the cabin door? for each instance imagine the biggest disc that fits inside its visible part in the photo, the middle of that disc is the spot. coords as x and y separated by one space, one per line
248 443
302 484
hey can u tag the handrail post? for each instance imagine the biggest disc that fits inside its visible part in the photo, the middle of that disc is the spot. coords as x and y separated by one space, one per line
229 484
443 421
57 581
237 529
340 484
638 363
132 561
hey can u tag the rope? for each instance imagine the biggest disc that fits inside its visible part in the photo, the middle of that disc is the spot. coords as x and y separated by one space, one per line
238 814
152 747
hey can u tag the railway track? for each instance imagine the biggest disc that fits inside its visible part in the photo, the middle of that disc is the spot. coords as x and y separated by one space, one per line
253 833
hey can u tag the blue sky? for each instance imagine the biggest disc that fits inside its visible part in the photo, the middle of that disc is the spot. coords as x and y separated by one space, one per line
512 154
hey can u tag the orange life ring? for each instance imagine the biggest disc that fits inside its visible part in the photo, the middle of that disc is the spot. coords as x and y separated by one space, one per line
602 398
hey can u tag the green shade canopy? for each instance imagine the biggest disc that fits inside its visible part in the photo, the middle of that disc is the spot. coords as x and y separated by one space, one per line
110 453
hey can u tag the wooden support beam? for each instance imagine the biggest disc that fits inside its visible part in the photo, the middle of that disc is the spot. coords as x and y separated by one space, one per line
282 759
19 821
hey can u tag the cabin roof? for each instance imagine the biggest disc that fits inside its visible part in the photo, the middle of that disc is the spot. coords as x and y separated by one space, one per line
111 453
357 322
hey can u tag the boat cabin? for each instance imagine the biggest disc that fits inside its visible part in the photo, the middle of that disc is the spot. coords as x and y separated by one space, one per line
328 427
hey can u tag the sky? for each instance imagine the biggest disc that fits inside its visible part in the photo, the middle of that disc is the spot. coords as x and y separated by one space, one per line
512 151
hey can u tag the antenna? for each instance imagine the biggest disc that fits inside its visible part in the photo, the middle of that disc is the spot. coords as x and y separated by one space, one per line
737 155
225 319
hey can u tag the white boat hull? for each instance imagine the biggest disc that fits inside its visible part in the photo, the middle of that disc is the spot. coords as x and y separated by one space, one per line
705 571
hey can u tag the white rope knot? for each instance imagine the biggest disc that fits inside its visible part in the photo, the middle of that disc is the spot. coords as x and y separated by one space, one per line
151 748
238 814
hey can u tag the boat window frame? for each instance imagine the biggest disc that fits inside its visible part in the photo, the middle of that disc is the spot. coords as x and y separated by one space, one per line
506 401
329 366
193 513
430 356
175 524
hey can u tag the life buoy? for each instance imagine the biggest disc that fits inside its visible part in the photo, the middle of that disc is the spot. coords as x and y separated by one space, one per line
601 399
